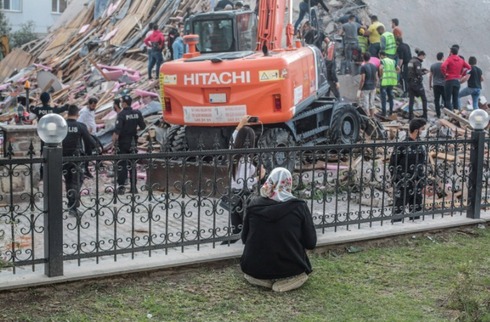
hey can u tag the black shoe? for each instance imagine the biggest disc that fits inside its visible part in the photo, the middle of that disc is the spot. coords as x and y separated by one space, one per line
415 218
396 220
121 190
232 241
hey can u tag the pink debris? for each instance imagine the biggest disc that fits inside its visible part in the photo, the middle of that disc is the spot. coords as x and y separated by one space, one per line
143 93
113 74
336 167
44 67
84 28
4 86
110 35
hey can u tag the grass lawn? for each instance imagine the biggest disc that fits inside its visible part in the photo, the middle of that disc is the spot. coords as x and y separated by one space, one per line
430 277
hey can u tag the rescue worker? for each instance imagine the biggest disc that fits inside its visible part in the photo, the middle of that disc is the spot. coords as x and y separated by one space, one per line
404 54
374 36
155 42
87 117
415 85
452 69
397 32
173 33
388 73
388 43
303 10
349 33
72 146
436 83
362 40
333 81
125 135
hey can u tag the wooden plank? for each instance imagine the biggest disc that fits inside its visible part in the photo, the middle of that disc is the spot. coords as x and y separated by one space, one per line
16 60
58 43
460 119
125 27
442 155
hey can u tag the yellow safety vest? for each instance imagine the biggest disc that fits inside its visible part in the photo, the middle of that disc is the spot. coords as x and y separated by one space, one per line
390 43
389 77
363 43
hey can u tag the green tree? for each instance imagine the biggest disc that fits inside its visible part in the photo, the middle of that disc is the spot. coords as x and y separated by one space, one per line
4 24
24 35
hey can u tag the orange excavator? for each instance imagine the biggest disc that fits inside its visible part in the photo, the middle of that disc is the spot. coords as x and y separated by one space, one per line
236 65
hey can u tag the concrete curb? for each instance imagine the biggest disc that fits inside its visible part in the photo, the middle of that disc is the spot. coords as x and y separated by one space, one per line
220 253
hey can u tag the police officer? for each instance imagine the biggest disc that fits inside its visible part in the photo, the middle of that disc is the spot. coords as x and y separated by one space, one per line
72 146
43 110
127 123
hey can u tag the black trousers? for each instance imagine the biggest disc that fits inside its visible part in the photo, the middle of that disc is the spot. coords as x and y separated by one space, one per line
407 195
73 174
332 87
416 91
451 90
124 167
404 77
438 95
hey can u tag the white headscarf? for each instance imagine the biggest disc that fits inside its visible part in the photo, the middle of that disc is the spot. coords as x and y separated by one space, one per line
278 185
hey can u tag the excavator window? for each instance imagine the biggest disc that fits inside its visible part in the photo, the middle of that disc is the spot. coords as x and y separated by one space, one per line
215 35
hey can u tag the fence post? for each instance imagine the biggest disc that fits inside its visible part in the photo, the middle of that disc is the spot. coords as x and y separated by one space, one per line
53 210
52 129
476 174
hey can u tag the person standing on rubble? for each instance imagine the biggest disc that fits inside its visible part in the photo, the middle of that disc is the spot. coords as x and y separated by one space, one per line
124 140
173 33
349 33
415 85
388 73
407 168
388 43
397 32
155 42
404 54
178 47
303 10
87 117
474 83
436 83
333 81
374 36
453 68
72 146
367 85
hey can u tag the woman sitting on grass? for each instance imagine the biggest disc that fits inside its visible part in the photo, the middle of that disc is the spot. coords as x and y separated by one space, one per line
276 231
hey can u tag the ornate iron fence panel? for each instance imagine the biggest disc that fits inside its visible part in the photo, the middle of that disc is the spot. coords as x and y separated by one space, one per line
175 200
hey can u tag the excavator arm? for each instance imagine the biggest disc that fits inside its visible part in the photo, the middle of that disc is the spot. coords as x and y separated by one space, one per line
271 22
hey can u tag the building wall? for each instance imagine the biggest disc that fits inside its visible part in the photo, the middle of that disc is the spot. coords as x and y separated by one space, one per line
38 11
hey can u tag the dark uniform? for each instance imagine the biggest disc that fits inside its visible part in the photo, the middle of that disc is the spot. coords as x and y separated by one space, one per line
73 171
407 167
127 123
41 111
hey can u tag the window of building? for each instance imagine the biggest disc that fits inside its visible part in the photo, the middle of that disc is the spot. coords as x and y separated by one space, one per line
12 5
58 6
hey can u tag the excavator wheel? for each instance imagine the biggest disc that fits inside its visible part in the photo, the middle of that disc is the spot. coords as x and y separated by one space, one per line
176 139
277 137
345 125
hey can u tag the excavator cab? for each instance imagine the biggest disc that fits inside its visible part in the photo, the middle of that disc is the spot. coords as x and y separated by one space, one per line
224 31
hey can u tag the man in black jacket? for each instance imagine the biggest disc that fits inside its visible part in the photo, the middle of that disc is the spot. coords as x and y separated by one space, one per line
404 55
415 83
407 168
124 138
72 146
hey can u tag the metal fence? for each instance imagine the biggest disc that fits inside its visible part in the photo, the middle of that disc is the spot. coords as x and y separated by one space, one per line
177 204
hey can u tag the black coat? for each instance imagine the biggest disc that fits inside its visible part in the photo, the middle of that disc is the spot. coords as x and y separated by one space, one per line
407 164
276 235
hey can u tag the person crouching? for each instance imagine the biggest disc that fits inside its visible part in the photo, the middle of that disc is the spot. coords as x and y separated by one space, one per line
276 231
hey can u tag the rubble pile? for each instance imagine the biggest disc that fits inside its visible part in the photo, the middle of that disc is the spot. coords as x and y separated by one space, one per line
98 52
